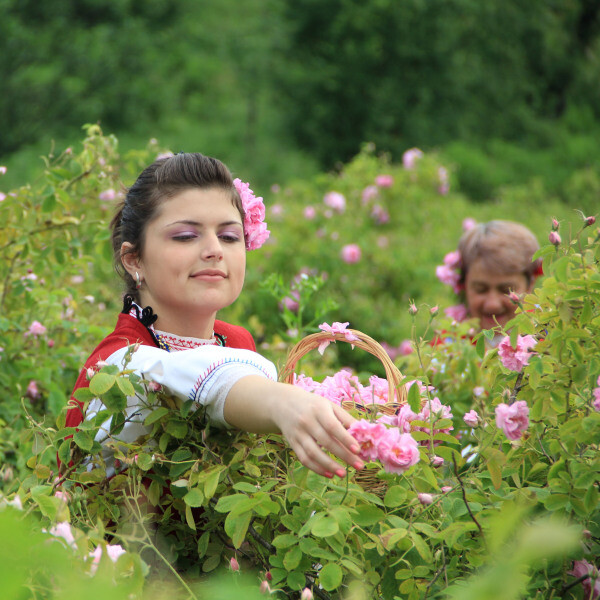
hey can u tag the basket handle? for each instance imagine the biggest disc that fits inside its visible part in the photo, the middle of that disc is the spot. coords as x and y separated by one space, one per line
393 375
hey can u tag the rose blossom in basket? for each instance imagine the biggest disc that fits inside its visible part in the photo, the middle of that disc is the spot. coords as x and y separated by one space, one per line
398 451
368 435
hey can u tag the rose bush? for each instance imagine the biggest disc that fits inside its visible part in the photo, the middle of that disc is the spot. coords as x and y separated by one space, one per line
482 514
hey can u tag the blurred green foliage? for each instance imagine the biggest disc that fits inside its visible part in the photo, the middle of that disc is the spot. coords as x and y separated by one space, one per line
279 88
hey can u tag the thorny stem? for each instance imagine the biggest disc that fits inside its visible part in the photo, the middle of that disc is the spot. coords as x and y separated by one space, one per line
516 389
464 495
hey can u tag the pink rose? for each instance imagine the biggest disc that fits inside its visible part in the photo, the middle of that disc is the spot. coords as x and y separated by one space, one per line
554 238
515 359
437 461
36 328
265 588
453 259
380 215
384 181
513 419
471 418
351 253
448 276
458 312
306 594
405 348
336 201
444 186
2 170
33 393
581 568
114 551
398 451
368 435
62 495
234 564
108 194
369 193
63 530
468 223
596 403
310 213
425 499
2 196
446 488
410 157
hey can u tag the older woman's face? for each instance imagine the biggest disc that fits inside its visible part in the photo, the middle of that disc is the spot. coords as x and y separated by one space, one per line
487 294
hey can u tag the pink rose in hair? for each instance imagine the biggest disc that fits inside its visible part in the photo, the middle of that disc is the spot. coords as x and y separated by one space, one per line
513 419
453 259
369 436
515 359
448 276
458 312
398 451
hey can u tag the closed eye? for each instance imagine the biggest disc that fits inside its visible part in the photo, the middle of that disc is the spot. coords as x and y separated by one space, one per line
184 237
230 238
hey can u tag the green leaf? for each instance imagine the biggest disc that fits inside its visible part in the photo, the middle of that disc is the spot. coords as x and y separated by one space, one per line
228 503
83 440
236 527
367 515
83 394
285 541
203 544
144 462
101 383
330 576
211 563
189 518
125 386
480 346
394 496
156 415
212 481
556 501
324 526
292 558
414 398
421 546
194 497
178 429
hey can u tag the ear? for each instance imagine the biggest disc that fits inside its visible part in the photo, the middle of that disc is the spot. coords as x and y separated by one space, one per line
130 260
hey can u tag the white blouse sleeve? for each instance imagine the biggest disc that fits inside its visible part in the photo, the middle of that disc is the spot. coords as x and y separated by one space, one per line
204 375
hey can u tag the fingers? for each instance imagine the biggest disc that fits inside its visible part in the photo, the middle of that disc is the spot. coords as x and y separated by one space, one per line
327 431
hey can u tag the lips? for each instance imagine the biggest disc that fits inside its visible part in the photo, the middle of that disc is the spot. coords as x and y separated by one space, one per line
209 275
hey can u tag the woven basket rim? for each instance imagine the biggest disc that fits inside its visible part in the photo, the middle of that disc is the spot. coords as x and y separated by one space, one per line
397 393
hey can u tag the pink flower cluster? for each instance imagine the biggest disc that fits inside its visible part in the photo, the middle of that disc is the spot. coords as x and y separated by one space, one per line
513 419
449 272
396 451
255 228
515 359
596 393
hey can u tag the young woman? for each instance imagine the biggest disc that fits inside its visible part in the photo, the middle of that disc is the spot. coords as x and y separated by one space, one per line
493 259
180 240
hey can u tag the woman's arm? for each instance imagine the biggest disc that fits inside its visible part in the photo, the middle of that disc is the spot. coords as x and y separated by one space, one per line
310 423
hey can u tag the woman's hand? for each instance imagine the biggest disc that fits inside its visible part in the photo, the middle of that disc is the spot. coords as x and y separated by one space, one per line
310 423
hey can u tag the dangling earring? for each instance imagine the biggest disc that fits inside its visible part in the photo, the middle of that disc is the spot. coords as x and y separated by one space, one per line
138 281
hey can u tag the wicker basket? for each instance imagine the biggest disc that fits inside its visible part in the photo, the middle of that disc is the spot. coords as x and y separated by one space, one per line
397 395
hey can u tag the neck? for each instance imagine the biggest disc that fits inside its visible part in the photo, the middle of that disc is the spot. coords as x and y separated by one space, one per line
197 324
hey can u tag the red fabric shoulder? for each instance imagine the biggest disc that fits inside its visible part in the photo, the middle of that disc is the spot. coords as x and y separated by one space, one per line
235 336
127 331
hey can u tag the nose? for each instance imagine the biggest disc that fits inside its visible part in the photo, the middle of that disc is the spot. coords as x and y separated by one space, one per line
493 302
212 248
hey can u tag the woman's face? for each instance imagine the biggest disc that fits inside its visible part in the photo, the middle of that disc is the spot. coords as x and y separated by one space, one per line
486 294
193 260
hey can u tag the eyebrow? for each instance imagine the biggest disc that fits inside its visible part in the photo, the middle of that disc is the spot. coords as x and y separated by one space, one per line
199 224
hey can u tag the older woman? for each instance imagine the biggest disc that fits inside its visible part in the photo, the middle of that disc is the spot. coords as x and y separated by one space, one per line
493 259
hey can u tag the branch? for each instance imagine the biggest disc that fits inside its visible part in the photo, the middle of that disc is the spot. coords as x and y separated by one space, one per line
516 389
464 495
